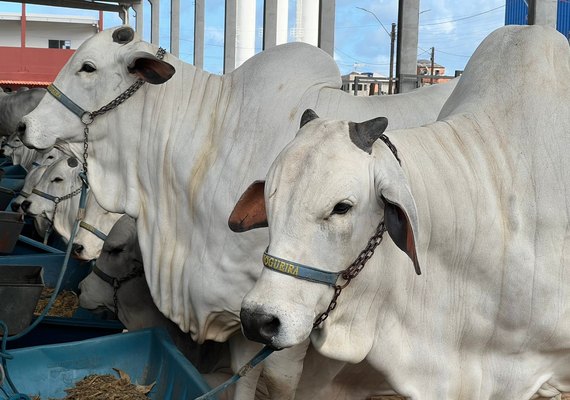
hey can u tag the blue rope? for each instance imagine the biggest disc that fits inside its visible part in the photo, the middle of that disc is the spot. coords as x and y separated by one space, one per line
4 355
259 357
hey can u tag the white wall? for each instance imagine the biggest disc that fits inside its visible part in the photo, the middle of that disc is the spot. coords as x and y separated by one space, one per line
38 33
10 33
39 30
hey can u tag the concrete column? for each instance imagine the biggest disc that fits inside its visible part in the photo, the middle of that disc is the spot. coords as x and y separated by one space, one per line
245 35
138 7
269 24
407 53
275 22
543 12
310 21
155 21
282 21
199 15
230 36
326 26
175 27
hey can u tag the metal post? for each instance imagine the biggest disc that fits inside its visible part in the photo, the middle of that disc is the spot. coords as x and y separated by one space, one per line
269 24
230 36
199 33
23 27
175 27
432 65
392 43
326 26
139 10
154 21
543 12
407 47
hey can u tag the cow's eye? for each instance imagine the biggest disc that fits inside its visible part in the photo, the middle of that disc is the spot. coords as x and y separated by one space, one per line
341 208
57 179
86 67
116 250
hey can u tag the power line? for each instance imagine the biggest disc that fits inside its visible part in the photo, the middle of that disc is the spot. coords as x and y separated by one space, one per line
463 18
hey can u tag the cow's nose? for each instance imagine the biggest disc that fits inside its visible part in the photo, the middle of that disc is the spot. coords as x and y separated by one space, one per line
258 326
26 205
77 249
15 206
21 128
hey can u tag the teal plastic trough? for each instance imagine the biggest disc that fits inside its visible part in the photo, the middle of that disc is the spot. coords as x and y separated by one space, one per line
11 225
20 289
6 196
147 356
83 324
14 171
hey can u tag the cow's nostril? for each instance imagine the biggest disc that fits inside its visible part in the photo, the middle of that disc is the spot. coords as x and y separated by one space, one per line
21 128
77 249
259 326
25 205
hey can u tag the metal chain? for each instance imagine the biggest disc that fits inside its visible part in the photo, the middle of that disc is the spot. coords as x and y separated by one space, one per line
353 270
89 117
139 271
392 148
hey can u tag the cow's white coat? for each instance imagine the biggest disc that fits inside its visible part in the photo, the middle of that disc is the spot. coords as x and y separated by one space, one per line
487 192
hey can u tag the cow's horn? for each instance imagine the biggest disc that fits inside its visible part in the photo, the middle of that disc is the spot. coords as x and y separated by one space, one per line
364 134
307 117
123 35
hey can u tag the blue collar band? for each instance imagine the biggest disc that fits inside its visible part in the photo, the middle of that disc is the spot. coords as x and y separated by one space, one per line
299 270
93 230
66 101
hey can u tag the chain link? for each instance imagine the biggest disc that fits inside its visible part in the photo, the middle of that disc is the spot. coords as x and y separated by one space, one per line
353 270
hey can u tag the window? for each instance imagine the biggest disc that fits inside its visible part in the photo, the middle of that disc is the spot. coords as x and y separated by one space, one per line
59 44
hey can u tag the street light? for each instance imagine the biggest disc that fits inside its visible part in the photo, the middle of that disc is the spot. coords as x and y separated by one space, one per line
392 35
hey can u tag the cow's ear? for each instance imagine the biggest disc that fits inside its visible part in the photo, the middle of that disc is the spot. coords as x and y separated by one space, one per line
249 212
149 68
400 212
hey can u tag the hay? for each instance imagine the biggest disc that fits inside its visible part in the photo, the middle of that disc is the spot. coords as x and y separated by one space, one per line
65 303
106 387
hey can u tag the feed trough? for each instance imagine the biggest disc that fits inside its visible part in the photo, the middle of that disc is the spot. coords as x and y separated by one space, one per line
147 356
11 225
20 289
83 324
6 196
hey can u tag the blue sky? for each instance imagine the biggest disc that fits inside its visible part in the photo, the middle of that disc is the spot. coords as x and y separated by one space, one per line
454 28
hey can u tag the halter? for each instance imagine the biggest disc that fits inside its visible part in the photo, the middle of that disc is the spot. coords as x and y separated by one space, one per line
56 200
93 230
117 282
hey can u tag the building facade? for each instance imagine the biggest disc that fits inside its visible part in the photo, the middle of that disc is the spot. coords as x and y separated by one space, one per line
365 84
34 48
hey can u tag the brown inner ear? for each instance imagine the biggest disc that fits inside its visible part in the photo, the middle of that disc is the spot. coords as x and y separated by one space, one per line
249 212
151 70
400 230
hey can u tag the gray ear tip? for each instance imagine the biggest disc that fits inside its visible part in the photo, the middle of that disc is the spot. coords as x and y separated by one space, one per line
308 116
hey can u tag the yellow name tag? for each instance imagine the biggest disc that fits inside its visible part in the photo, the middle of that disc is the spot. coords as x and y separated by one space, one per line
280 266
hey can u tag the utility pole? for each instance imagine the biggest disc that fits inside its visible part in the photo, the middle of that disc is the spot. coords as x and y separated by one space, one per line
432 62
392 43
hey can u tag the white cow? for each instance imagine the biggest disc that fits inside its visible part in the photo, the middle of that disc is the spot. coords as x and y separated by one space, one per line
59 180
176 156
481 202
26 157
13 106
